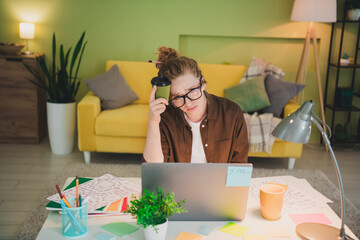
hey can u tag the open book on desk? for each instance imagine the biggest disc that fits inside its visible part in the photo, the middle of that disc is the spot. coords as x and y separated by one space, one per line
108 194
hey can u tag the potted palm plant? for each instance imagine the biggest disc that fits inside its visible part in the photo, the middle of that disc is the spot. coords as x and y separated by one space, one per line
152 210
61 84
353 7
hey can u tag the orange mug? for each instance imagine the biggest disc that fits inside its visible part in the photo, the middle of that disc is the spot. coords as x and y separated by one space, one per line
271 201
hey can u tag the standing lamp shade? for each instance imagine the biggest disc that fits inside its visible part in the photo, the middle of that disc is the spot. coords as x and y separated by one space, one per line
297 128
27 31
314 11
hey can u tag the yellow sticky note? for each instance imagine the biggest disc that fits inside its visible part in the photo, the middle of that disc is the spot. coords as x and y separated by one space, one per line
249 236
277 231
282 185
189 236
234 229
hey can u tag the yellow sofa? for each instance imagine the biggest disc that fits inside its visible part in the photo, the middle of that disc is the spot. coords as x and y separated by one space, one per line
123 130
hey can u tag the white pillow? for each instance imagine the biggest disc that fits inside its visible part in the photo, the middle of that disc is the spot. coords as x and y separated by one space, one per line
258 67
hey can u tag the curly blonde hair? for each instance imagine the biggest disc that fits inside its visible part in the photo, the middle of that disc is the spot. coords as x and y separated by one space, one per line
173 65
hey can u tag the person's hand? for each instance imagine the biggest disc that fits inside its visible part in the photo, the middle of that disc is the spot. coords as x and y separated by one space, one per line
156 107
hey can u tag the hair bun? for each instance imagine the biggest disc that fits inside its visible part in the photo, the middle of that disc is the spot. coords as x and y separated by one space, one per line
167 54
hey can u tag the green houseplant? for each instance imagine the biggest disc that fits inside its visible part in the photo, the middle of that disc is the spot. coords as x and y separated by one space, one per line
353 8
152 210
60 81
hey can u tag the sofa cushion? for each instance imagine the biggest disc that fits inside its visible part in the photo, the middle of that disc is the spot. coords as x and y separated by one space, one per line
128 121
250 96
112 89
258 67
279 92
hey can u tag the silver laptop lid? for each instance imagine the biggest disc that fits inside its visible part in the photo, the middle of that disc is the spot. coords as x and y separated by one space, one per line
212 191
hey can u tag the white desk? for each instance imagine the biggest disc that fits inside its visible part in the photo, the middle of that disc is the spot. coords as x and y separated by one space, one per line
52 226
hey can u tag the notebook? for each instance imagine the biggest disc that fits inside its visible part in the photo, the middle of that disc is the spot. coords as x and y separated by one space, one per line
211 194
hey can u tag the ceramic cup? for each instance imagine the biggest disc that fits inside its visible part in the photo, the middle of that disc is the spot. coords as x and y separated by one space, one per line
271 201
163 87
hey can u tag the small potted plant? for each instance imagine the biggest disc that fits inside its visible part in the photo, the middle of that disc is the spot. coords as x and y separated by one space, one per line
353 7
152 210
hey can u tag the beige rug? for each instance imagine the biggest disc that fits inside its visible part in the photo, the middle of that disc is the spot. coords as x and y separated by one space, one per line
317 179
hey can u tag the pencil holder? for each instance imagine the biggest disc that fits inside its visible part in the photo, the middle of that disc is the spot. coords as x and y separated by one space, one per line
74 219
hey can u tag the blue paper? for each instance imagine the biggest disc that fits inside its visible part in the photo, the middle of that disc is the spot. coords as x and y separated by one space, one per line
105 236
205 230
238 176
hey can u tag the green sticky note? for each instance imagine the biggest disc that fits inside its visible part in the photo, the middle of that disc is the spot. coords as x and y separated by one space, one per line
234 229
119 228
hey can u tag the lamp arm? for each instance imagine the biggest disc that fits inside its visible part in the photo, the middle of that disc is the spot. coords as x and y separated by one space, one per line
338 174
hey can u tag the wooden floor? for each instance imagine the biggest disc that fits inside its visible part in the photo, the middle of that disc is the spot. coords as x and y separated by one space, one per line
26 170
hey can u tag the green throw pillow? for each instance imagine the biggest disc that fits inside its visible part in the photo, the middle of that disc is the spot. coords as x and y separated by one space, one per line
251 96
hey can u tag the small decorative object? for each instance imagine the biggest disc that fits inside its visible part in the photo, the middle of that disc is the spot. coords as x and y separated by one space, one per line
10 48
348 131
27 31
344 96
344 59
152 211
339 133
61 84
353 7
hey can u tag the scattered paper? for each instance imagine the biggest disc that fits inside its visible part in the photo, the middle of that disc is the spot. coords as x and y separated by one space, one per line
119 228
249 236
313 217
189 236
206 230
102 191
299 196
234 229
276 231
238 176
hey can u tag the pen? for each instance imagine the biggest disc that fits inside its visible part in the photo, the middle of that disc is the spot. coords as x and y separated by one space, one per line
77 191
66 201
80 201
151 61
59 191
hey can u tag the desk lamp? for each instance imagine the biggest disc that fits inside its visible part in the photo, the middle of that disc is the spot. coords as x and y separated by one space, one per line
27 31
312 11
297 128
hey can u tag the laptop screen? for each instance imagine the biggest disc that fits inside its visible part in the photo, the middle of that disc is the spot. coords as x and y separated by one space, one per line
212 191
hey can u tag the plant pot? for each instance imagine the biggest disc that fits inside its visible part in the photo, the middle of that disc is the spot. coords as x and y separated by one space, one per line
354 14
61 119
151 234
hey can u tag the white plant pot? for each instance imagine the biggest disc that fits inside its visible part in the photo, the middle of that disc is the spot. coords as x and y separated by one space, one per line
61 119
354 14
151 234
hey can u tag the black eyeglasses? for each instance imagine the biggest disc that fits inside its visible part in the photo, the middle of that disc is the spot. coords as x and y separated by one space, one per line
193 94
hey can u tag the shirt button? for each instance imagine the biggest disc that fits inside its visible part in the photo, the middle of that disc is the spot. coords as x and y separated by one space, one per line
203 125
206 145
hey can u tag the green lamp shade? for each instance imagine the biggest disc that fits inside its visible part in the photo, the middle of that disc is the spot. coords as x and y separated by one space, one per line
297 126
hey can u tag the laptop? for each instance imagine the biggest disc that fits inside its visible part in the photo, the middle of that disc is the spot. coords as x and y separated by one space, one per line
210 193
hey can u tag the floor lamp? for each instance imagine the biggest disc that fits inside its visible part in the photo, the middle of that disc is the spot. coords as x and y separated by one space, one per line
312 11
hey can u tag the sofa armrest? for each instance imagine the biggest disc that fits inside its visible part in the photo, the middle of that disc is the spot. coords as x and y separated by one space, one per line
290 107
87 110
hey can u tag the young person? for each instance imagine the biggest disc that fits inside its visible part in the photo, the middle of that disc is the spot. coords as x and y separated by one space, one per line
193 126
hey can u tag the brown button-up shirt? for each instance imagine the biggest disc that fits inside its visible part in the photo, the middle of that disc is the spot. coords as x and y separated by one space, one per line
223 133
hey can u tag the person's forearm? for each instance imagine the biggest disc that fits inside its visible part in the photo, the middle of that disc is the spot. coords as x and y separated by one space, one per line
153 152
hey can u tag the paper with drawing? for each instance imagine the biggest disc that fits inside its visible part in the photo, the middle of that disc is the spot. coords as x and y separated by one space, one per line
103 190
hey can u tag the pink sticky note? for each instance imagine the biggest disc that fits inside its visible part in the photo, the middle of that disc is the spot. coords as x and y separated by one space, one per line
313 217
189 236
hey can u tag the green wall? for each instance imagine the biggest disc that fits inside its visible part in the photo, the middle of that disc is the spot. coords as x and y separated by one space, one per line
211 31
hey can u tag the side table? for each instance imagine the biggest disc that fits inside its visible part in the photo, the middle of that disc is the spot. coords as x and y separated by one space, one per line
22 104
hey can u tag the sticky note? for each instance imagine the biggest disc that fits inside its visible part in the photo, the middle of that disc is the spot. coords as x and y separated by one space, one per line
104 236
189 236
205 230
238 176
119 228
234 229
249 236
216 235
276 231
313 217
